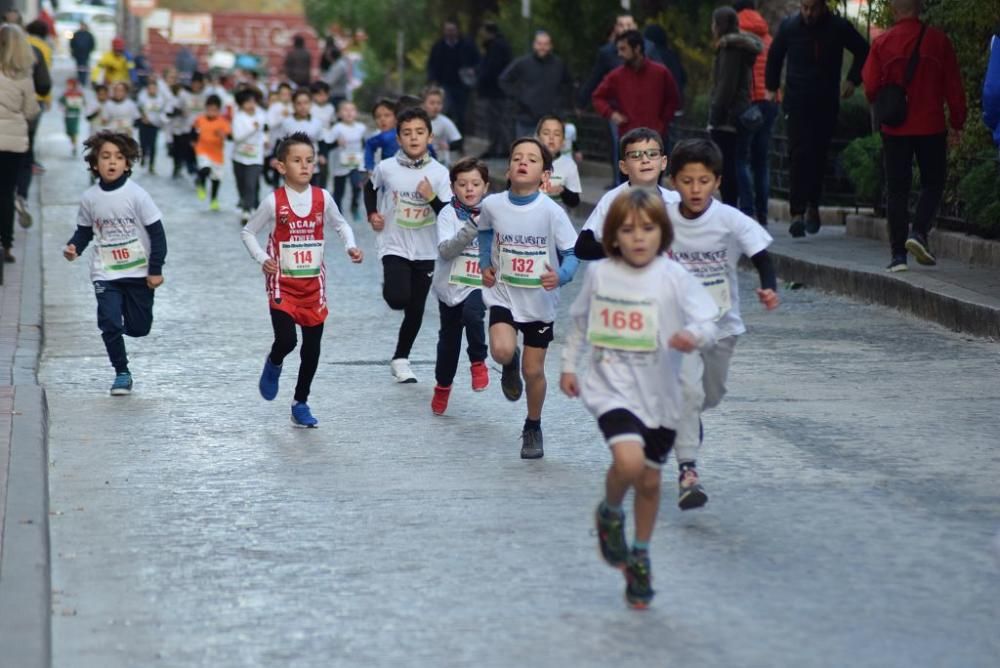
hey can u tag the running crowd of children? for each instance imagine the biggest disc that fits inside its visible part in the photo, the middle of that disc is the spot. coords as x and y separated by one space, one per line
659 305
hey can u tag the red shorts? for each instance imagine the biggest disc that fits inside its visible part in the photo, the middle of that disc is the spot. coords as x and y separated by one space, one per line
305 313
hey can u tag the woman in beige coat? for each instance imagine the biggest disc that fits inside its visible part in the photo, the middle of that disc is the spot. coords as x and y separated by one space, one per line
17 106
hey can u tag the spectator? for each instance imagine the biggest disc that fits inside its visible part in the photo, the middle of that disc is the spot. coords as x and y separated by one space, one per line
936 81
298 63
81 46
335 70
669 58
539 82
991 90
638 93
38 32
452 65
754 166
813 41
496 57
18 106
114 66
186 65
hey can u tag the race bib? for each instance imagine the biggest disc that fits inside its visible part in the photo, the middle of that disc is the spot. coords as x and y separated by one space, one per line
465 269
523 266
718 287
123 256
301 259
248 150
122 125
414 215
623 324
350 159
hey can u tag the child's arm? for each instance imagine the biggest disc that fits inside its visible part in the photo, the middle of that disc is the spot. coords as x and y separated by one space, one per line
375 218
342 228
451 245
565 239
576 339
485 227
699 311
370 145
262 219
157 253
768 290
570 198
588 246
83 234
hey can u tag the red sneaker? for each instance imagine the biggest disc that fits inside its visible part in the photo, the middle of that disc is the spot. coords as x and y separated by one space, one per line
480 376
439 404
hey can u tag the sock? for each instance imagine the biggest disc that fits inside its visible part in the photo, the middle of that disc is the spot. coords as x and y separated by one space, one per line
532 425
215 188
686 466
640 546
609 510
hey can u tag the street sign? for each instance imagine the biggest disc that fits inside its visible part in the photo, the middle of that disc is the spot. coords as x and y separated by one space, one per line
191 28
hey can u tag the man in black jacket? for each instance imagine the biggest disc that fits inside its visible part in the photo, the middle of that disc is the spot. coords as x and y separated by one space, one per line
813 42
539 83
452 65
81 45
495 60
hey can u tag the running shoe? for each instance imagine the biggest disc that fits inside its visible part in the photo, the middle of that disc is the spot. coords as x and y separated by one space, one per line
690 492
639 581
214 205
302 417
122 384
531 444
798 228
813 220
8 256
897 264
510 378
480 376
439 403
23 215
401 370
268 384
611 537
917 245
200 192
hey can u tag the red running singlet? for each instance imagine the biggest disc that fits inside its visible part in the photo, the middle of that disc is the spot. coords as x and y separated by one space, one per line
296 245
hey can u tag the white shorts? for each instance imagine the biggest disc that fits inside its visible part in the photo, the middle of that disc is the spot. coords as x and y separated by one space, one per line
214 169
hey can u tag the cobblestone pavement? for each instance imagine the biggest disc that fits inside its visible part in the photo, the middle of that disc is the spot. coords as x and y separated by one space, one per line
853 471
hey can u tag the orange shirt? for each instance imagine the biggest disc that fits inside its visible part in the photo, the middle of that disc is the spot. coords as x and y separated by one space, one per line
212 133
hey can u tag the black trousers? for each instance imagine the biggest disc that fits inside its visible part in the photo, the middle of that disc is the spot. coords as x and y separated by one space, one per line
404 288
340 189
9 164
124 307
932 160
147 142
285 342
468 315
729 143
809 135
25 170
248 184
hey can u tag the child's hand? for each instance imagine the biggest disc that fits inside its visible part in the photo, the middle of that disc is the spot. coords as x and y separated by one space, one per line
322 160
256 125
70 252
356 255
769 298
489 277
554 191
550 279
425 189
153 282
377 221
270 267
569 384
683 341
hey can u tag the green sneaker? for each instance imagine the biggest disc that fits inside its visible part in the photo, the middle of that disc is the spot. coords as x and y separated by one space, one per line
214 206
611 537
638 589
200 192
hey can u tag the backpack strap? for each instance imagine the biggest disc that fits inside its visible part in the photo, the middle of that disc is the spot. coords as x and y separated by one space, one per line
911 66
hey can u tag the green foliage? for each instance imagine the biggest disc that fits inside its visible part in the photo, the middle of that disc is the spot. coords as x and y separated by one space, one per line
861 160
978 190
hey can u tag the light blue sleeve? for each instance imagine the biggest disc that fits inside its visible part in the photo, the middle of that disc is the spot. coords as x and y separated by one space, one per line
567 266
485 249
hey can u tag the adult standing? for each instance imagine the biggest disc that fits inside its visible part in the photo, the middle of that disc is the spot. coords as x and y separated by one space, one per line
539 83
452 65
38 32
735 53
114 66
813 42
935 82
991 90
18 105
496 57
298 63
753 168
335 70
81 46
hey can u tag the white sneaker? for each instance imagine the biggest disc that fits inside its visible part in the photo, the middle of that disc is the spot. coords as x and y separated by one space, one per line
401 370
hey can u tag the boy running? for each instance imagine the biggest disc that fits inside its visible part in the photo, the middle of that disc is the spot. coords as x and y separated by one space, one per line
248 150
210 131
447 137
73 103
564 182
347 140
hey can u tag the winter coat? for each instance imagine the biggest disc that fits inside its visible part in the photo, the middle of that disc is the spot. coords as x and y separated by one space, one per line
81 45
298 66
607 60
752 22
991 90
446 61
18 105
731 75
539 86
647 96
495 60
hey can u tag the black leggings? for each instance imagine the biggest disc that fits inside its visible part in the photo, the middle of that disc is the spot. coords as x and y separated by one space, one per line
147 142
284 343
405 287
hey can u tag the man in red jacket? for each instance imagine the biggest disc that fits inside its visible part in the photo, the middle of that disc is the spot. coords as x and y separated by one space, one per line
936 82
639 92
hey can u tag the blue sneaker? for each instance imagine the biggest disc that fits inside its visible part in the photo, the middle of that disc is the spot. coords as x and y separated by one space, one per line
302 417
269 379
122 384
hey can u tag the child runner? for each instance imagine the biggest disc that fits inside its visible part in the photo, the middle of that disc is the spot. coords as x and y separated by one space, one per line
248 150
73 102
151 109
447 138
97 114
279 107
564 182
121 112
324 112
458 282
347 140
190 105
526 253
130 247
295 216
402 198
210 131
302 121
383 143
638 310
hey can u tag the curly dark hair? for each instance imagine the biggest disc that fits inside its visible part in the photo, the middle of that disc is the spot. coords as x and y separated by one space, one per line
93 144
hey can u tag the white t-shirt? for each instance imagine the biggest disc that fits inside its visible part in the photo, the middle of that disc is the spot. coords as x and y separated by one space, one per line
153 107
445 132
566 174
100 121
349 150
311 126
119 218
710 246
595 222
409 219
456 278
627 315
326 114
276 113
248 141
193 105
569 139
530 235
121 115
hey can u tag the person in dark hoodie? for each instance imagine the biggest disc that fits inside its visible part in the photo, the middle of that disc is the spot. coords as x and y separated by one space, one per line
539 82
496 58
731 74
813 42
991 89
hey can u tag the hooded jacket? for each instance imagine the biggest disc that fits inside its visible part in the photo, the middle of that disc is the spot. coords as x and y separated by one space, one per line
991 90
18 106
752 22
734 61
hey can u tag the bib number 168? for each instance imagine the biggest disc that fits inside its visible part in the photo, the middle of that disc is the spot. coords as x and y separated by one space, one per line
622 319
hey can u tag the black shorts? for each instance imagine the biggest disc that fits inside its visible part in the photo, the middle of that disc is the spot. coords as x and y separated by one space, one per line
537 334
619 425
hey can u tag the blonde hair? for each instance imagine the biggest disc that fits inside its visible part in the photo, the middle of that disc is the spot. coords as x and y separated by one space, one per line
16 56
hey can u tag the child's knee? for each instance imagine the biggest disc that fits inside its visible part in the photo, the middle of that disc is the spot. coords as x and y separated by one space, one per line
397 299
649 481
532 370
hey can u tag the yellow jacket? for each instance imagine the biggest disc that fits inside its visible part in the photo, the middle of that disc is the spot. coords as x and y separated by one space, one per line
116 67
46 52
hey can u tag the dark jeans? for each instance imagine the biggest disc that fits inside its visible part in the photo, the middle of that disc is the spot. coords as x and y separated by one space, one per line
931 153
147 142
340 189
809 134
248 184
405 287
732 145
754 168
124 306
468 315
83 73
285 342
9 164
24 171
